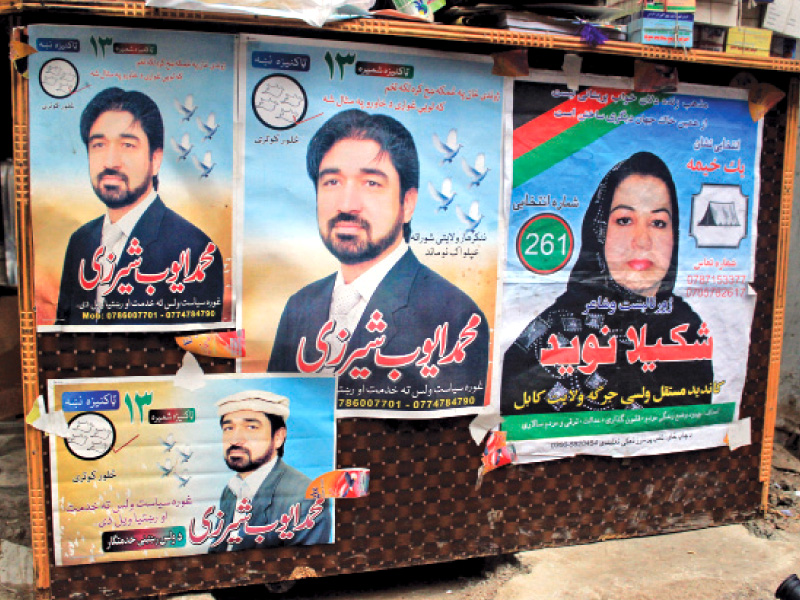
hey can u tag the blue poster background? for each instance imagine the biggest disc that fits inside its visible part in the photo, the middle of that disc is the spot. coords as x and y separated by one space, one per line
168 66
165 466
430 94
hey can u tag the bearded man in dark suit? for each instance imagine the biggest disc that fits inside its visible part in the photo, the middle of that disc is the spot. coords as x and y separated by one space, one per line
141 262
384 321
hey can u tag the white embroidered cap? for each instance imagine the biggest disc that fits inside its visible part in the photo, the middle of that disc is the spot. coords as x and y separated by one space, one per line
257 400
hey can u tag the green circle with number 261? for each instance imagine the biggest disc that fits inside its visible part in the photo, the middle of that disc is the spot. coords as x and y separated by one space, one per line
545 244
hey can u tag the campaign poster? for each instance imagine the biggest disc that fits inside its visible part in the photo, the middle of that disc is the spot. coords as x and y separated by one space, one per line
372 188
152 470
132 178
631 236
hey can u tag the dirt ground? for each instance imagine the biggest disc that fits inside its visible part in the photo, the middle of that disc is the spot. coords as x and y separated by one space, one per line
737 562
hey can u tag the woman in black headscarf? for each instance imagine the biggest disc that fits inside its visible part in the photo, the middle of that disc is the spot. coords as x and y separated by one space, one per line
619 294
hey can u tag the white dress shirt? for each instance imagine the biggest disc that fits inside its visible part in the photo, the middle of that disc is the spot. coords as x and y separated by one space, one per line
115 237
368 282
246 487
365 286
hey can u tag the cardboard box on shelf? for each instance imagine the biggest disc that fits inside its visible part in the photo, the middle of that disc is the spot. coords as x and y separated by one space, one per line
629 7
709 37
722 13
783 47
750 41
751 15
660 28
783 16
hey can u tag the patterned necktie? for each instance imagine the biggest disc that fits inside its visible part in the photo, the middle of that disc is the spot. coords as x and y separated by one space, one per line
112 236
344 301
239 488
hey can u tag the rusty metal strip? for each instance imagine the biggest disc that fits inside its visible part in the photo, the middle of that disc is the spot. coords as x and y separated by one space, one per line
10 6
30 380
405 29
779 303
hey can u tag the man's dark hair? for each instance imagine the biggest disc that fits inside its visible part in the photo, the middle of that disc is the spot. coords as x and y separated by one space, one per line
141 106
391 135
277 423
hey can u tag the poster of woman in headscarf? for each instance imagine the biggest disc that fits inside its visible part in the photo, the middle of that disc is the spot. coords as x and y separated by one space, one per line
626 305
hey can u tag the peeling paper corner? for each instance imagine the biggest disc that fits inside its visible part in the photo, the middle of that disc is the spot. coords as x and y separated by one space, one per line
16 52
512 63
190 376
226 344
497 453
50 423
36 411
572 71
482 424
739 434
341 483
762 98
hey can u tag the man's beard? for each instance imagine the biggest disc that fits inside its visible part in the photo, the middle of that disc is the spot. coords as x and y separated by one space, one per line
119 196
356 249
246 464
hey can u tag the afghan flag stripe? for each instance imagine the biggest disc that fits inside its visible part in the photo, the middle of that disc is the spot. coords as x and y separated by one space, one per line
573 139
552 152
557 120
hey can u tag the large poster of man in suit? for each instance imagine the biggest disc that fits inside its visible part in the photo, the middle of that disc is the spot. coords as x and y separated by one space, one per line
131 178
372 182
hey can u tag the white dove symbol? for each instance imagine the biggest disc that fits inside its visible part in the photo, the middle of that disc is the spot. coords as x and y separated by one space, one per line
205 166
169 443
209 128
477 172
444 196
166 468
473 218
450 148
187 109
183 148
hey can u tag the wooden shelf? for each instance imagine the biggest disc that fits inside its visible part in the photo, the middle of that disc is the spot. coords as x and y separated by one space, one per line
417 517
413 30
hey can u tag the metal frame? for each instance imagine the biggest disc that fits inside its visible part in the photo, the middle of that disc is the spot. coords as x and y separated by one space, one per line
30 381
423 506
414 30
779 303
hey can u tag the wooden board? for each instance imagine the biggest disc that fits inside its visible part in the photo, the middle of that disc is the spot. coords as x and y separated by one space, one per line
423 505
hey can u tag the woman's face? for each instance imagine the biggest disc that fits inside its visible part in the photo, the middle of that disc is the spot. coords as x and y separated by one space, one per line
639 242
